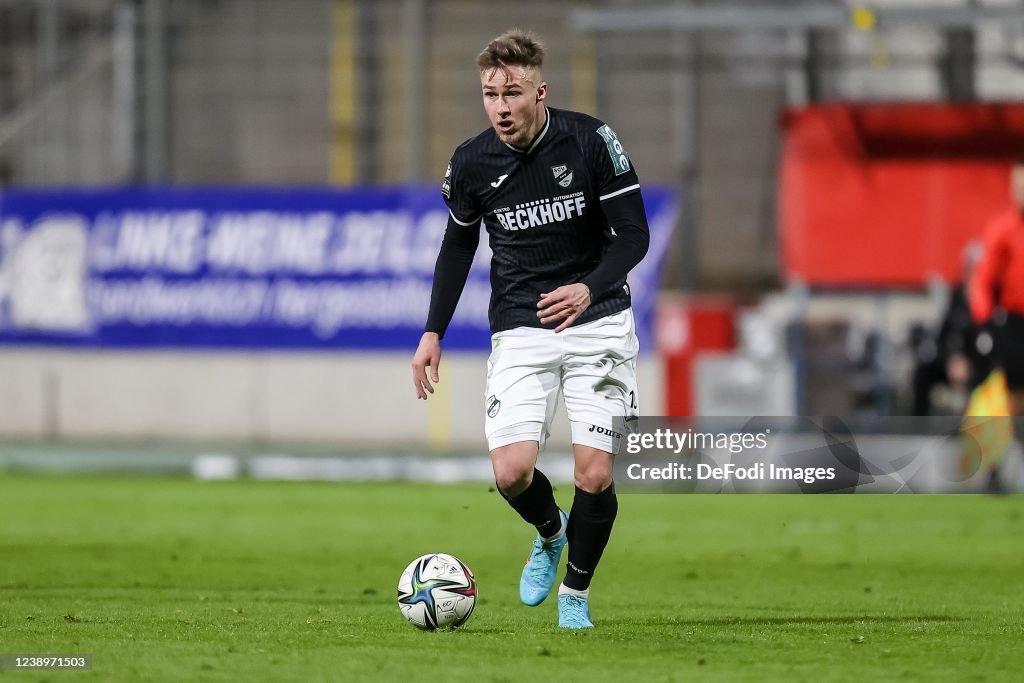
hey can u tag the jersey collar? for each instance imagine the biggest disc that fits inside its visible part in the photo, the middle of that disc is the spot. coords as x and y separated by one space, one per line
536 140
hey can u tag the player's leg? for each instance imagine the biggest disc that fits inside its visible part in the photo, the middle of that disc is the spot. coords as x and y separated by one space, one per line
599 385
1017 404
1010 350
927 375
530 494
525 487
1016 400
594 508
1017 410
522 389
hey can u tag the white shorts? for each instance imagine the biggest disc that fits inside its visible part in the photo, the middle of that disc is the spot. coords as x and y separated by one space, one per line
592 365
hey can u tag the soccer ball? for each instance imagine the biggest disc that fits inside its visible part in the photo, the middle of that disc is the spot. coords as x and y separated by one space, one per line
437 591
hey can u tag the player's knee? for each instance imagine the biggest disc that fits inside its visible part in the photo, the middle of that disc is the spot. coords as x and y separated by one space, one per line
513 456
513 470
512 479
593 478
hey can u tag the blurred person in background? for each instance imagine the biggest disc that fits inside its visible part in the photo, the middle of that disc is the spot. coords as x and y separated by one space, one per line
996 291
959 354
561 204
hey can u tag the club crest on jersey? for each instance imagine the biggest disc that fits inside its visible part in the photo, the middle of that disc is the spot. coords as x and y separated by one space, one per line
562 175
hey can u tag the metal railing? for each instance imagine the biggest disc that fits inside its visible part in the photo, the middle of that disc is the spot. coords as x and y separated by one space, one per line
76 124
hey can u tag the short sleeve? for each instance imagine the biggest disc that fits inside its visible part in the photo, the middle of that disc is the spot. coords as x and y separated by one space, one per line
456 195
612 166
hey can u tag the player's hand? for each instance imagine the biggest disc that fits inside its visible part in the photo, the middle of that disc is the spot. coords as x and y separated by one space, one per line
958 369
428 355
565 303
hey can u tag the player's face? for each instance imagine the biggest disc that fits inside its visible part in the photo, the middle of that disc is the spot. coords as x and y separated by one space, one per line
1017 185
514 102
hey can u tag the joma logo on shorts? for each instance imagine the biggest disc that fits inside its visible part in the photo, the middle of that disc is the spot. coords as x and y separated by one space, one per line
606 432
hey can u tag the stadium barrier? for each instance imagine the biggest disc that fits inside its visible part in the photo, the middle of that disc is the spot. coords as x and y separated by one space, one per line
248 314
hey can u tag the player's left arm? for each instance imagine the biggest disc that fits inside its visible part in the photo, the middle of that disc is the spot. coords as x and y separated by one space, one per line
628 218
619 191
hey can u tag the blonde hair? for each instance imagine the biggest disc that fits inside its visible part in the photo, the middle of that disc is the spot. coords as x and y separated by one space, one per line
512 48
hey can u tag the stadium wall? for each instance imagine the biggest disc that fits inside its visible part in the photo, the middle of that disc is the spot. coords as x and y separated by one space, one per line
345 398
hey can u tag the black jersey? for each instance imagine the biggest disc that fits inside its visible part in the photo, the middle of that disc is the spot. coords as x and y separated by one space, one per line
542 210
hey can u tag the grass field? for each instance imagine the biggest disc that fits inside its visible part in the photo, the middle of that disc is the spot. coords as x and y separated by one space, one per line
170 579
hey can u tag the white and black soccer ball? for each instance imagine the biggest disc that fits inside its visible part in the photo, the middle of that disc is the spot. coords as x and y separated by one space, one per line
437 591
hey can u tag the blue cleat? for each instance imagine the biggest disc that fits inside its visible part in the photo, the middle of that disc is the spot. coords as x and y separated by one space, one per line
573 612
541 569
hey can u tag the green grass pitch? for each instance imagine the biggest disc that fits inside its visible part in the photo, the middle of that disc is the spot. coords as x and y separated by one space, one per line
171 579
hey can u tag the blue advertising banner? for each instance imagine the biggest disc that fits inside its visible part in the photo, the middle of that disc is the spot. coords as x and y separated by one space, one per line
247 268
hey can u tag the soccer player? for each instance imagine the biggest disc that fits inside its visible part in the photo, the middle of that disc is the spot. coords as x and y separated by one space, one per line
560 200
996 291
959 354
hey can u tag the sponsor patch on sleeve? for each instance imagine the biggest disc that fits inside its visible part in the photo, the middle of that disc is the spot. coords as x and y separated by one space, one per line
620 160
446 184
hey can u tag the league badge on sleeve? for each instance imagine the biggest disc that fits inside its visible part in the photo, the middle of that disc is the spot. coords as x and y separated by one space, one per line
620 160
446 184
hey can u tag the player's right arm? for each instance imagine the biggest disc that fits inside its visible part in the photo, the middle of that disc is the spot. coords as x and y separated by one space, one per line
987 274
450 274
458 248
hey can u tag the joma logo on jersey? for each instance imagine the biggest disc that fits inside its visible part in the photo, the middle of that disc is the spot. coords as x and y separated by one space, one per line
542 212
